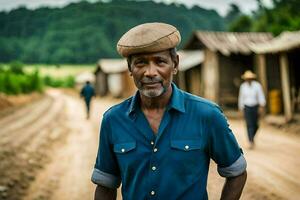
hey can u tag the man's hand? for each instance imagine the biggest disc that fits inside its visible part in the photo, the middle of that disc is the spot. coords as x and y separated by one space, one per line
233 187
261 111
104 193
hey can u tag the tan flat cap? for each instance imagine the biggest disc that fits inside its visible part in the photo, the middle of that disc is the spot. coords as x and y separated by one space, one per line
148 38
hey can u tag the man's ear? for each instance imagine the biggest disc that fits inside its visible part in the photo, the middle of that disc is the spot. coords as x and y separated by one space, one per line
176 64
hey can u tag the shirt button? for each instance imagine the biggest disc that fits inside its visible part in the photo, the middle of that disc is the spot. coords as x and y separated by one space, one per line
123 150
152 143
152 193
186 147
153 168
155 150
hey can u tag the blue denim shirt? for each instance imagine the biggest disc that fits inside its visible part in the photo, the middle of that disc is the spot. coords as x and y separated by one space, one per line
173 164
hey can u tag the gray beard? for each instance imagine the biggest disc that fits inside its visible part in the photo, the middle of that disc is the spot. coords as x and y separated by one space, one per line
151 93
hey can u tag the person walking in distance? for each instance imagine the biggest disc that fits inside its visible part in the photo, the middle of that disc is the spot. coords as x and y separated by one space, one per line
159 142
87 92
251 101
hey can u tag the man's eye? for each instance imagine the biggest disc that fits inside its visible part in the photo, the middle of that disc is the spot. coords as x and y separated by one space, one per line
140 62
161 61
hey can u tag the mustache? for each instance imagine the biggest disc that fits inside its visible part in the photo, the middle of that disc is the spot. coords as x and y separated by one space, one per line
146 80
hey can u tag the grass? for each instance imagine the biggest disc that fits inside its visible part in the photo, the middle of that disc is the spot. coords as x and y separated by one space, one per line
60 71
34 77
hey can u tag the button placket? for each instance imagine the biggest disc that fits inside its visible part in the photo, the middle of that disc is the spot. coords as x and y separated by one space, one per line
153 168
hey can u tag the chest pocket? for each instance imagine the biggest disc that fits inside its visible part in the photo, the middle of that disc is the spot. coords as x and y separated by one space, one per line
189 156
186 145
124 148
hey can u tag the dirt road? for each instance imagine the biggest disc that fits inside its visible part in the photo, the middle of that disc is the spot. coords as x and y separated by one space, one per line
48 149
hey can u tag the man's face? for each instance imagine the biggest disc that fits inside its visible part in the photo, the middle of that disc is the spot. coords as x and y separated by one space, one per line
153 72
249 80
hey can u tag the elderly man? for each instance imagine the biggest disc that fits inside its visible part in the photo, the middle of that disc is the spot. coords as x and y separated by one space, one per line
159 142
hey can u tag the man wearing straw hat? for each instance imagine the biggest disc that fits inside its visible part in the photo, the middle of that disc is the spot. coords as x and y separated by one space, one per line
251 102
159 142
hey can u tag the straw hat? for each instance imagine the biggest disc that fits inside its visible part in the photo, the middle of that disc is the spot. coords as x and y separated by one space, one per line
148 38
248 75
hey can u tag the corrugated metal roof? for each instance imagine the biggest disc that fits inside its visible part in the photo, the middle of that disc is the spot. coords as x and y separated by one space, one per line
110 66
284 42
189 59
231 42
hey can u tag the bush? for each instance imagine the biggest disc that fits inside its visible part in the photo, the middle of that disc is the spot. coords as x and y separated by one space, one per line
16 67
70 82
15 82
67 82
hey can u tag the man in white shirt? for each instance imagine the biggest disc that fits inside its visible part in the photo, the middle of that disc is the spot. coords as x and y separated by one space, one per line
251 101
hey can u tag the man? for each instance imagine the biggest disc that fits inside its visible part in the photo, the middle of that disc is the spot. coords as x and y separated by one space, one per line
251 102
87 92
159 142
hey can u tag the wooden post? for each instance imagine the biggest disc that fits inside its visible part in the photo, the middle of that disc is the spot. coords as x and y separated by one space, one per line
262 72
285 82
210 76
181 81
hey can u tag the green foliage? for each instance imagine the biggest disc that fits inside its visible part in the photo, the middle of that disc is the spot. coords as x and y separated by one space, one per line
233 13
241 24
283 16
84 32
64 82
12 82
16 67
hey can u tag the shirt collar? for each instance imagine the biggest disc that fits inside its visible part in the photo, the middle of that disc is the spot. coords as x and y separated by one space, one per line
176 101
134 103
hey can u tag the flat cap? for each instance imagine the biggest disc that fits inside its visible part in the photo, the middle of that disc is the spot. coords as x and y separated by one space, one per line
148 38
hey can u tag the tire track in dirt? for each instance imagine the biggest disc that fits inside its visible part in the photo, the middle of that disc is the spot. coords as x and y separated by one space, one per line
29 115
26 152
68 175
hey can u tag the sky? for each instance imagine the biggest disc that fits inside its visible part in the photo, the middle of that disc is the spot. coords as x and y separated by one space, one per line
220 5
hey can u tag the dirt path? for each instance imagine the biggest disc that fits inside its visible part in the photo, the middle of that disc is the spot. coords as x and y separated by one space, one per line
273 166
68 175
48 150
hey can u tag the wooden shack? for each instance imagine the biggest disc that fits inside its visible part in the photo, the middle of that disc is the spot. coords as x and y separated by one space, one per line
189 75
279 61
100 81
227 55
82 78
119 82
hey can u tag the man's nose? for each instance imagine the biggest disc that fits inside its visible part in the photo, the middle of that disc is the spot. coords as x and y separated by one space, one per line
151 70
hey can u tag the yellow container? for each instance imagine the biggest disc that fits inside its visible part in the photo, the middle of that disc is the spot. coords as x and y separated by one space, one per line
275 103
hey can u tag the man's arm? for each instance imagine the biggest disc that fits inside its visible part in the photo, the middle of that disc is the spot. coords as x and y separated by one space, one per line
233 187
105 193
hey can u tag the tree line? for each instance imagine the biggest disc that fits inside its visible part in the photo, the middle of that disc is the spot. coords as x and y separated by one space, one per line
84 32
283 15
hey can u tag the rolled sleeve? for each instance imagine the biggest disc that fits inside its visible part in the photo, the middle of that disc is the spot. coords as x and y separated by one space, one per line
223 147
236 169
105 179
